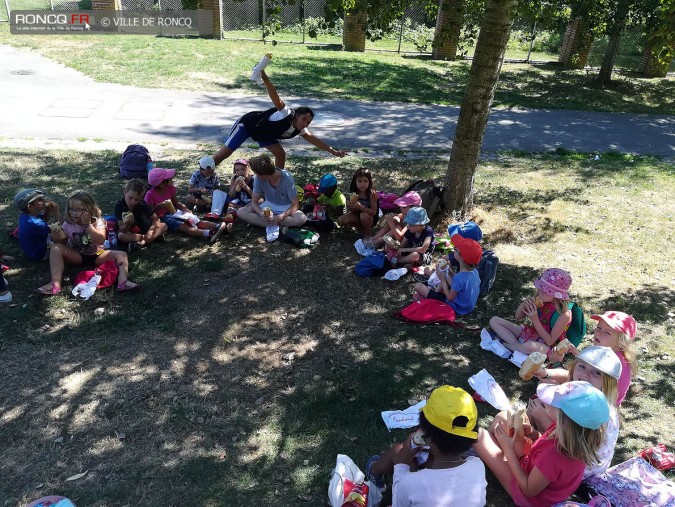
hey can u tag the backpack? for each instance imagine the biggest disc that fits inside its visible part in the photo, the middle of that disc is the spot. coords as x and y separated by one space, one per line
427 311
577 329
432 195
487 271
301 238
135 162
371 265
634 483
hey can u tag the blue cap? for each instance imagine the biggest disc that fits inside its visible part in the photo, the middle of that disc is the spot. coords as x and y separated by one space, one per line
327 181
416 216
468 230
580 401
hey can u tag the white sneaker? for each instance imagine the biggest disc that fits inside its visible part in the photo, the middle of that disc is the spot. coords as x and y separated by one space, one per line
6 298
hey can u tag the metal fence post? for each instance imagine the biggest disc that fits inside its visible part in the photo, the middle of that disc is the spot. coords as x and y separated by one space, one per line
51 3
7 7
301 6
159 4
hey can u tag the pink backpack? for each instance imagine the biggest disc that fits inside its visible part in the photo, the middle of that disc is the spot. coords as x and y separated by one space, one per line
634 483
427 311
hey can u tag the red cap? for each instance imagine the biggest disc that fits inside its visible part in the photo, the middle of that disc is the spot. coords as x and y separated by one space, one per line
619 321
469 249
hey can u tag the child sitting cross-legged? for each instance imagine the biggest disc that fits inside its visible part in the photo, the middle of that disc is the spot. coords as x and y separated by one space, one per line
459 290
332 201
418 241
138 225
429 468
162 200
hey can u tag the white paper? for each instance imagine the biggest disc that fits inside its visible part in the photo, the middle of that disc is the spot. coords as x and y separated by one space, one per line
517 358
485 385
408 418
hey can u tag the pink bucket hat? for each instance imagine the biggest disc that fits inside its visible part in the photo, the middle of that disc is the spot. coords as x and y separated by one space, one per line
242 161
157 175
619 321
409 199
554 282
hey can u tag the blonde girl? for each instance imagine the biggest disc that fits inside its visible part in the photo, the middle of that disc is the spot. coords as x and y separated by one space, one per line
552 469
600 367
85 232
616 330
552 296
363 208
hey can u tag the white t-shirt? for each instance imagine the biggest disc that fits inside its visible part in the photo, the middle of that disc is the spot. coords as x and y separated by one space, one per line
606 450
464 485
280 115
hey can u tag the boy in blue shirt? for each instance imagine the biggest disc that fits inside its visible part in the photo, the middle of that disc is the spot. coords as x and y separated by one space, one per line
462 293
34 229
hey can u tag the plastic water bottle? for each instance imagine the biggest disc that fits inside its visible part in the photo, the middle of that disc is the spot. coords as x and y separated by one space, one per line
112 237
150 165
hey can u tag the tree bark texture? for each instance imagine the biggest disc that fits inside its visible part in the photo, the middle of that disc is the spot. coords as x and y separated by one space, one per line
448 28
652 65
605 75
576 45
355 25
475 109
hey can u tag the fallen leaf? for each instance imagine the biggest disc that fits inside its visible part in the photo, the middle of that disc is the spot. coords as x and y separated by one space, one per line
58 440
306 462
77 476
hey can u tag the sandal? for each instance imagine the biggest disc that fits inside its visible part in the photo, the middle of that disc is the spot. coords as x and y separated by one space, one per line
128 286
52 290
229 218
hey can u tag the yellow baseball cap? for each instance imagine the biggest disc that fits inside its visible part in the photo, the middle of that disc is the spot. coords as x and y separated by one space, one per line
446 403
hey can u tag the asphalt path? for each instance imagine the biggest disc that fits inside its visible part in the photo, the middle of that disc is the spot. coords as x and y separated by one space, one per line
44 103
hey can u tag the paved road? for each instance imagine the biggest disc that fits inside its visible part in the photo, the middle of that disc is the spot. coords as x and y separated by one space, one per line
45 101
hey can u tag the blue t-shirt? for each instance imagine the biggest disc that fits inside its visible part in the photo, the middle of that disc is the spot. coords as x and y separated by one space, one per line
467 286
33 234
284 192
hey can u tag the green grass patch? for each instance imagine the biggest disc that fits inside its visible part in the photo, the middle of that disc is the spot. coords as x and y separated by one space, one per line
328 72
241 369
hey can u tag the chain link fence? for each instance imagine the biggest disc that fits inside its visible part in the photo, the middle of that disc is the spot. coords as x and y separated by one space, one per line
304 23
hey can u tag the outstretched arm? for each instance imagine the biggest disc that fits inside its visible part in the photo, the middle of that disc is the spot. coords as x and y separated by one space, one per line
323 146
272 91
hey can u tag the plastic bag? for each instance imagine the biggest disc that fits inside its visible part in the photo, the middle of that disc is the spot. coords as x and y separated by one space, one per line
348 486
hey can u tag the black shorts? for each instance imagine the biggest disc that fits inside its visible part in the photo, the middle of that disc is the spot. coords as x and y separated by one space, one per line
438 296
89 259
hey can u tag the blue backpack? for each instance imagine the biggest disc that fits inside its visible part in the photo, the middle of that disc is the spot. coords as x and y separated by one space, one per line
371 265
487 271
135 162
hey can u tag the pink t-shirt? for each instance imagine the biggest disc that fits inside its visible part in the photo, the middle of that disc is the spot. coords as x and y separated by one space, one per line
153 197
624 379
80 240
563 473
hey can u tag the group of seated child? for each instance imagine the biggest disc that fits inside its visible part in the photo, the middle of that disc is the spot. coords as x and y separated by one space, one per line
571 426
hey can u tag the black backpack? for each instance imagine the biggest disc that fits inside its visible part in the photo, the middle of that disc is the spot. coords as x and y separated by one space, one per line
487 271
135 162
432 195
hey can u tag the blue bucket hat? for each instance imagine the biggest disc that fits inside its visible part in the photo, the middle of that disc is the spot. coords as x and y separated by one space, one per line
327 181
468 230
416 216
580 401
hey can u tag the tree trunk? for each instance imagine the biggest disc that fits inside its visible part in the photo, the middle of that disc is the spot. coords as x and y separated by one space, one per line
576 44
354 31
473 115
652 65
605 75
448 27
